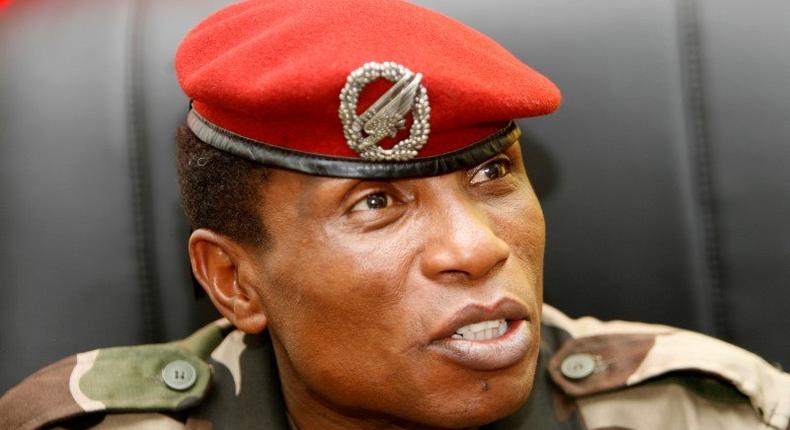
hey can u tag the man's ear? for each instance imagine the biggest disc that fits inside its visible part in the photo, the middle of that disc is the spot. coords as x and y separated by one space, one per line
215 262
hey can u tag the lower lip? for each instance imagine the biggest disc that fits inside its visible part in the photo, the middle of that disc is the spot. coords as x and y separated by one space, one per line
491 354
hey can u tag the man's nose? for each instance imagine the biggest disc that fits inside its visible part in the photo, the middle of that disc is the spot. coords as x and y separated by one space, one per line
460 242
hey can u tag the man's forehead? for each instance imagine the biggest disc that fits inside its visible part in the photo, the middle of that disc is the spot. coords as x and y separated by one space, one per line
404 93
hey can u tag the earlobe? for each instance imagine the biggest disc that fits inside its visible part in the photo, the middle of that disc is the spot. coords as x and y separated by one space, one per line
216 261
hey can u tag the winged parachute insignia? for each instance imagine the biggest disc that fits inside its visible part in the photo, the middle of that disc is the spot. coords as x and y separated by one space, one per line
387 115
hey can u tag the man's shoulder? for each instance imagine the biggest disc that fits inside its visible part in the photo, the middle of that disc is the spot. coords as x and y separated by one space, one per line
157 381
636 375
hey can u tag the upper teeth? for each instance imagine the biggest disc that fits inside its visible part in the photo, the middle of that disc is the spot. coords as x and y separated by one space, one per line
482 330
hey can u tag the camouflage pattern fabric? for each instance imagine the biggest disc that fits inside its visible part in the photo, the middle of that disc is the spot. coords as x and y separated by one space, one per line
646 377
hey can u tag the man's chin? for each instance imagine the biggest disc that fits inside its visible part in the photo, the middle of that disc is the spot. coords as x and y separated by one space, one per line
479 413
484 401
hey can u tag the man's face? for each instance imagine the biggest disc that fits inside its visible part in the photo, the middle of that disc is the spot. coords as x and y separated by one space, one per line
367 282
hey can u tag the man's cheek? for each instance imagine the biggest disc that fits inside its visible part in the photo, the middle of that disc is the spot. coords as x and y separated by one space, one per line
368 272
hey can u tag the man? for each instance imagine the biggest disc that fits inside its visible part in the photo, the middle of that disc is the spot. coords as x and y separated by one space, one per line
363 220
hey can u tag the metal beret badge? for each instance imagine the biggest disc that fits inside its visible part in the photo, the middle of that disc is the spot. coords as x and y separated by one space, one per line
387 115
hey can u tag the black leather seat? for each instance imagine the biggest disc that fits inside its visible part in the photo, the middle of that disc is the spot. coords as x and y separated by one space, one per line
664 176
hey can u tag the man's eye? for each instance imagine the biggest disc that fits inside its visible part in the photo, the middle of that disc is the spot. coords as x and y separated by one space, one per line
493 170
372 201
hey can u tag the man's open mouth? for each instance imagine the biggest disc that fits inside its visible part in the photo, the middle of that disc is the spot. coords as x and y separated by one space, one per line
485 336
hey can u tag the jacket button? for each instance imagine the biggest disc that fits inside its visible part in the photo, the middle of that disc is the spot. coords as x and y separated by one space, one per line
578 366
179 375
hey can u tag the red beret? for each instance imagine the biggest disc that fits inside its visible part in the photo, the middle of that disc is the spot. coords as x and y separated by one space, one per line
354 88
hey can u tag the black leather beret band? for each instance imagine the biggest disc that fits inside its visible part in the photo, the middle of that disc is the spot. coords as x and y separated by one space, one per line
319 165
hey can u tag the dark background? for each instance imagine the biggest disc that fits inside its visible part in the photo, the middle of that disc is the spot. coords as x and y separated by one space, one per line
664 175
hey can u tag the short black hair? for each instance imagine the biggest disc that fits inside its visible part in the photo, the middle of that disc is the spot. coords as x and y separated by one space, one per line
220 191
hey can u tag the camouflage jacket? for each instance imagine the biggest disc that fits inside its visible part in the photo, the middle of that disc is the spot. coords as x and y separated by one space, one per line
592 375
